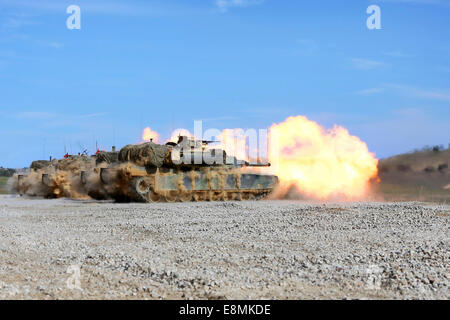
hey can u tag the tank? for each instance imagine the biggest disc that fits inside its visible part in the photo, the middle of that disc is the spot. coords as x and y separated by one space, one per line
74 176
30 182
185 171
63 177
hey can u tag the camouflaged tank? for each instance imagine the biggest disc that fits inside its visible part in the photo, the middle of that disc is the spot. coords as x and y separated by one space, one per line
185 171
76 176
30 182
63 177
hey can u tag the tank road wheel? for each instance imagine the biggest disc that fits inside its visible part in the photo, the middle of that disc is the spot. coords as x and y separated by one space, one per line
153 197
170 196
237 196
141 188
217 195
262 195
185 196
228 195
233 196
248 196
199 196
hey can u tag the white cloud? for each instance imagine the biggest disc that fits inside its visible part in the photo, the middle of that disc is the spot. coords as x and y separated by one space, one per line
397 54
17 21
224 5
93 115
367 64
56 45
409 91
432 94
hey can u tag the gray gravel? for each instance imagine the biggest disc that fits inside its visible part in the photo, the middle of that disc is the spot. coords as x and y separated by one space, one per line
223 250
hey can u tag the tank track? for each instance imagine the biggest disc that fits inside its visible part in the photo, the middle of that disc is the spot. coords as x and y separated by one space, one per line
141 191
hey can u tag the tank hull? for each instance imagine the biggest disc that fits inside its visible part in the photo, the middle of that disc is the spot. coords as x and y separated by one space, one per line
133 183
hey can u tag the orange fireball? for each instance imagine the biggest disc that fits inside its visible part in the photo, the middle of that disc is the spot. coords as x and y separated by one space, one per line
150 135
320 163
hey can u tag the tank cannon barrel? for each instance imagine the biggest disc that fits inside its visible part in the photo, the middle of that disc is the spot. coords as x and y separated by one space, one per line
248 164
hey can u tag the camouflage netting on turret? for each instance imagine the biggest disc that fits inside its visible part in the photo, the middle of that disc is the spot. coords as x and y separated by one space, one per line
145 155
75 164
107 157
39 164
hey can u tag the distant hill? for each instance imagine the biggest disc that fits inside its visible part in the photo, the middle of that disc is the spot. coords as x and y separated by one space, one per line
421 175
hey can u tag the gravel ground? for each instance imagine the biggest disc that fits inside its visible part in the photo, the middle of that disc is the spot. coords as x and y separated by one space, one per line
223 250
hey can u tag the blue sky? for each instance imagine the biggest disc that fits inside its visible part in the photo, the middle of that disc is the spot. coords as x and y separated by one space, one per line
233 64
